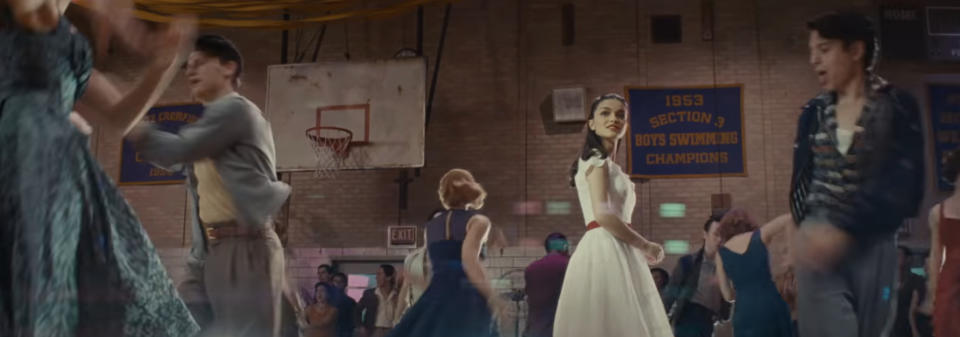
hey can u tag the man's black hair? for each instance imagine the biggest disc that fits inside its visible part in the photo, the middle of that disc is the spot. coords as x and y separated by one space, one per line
666 275
221 48
951 166
556 242
716 216
848 27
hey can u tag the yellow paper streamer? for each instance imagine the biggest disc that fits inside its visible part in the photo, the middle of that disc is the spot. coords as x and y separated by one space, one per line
265 14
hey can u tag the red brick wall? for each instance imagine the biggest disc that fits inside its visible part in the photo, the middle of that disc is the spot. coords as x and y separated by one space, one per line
490 115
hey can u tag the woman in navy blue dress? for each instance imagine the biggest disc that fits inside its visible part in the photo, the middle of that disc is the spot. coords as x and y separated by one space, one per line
459 299
743 260
74 259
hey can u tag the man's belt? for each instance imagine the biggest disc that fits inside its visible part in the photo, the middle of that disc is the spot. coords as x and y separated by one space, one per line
233 230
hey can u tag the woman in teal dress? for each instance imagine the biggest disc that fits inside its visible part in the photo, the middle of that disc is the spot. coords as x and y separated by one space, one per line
74 259
743 271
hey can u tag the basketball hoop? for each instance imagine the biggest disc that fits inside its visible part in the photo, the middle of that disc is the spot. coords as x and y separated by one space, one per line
332 148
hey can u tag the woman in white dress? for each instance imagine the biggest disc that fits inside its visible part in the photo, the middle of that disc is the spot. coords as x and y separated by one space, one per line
608 290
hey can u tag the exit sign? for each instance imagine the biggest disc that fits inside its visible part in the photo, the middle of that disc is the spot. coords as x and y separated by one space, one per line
402 236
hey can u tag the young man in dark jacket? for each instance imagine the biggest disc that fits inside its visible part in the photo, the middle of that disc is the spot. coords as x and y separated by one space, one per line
346 307
693 297
858 173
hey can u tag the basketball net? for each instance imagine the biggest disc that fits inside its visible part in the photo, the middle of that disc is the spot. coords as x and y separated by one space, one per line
331 145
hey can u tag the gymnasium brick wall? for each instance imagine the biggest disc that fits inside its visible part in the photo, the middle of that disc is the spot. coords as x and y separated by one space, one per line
492 113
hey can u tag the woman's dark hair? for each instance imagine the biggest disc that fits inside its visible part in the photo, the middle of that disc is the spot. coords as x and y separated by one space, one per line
951 166
593 145
666 275
390 272
848 27
556 242
735 222
221 48
326 267
330 292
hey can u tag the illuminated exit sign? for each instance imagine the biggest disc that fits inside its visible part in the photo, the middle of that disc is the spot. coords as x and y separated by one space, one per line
678 247
401 236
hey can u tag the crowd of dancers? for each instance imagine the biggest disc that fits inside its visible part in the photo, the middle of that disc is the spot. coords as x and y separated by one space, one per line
82 265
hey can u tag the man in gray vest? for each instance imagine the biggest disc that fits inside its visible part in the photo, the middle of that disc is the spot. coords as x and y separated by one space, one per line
236 263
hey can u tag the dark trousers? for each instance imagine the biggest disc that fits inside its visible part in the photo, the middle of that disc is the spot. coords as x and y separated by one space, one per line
856 298
924 325
695 321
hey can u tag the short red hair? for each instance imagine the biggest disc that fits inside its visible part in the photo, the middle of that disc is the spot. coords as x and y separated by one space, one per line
458 189
734 222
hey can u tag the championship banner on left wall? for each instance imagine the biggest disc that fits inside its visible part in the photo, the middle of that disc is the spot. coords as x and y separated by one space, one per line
136 171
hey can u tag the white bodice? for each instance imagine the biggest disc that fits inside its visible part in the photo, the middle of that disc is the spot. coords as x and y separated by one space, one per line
620 190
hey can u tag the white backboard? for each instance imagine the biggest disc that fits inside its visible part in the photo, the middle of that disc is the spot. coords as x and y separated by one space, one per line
382 103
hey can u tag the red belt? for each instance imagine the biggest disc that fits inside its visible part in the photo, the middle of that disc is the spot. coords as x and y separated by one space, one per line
595 225
592 225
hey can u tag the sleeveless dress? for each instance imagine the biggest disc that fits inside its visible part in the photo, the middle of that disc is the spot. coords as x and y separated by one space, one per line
451 306
760 310
74 259
946 305
608 289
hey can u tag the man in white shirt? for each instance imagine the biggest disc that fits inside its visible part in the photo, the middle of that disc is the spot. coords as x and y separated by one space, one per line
376 312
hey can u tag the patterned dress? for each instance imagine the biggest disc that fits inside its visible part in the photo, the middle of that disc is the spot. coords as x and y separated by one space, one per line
74 259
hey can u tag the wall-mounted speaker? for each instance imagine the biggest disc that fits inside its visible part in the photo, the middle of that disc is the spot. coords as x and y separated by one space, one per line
568 105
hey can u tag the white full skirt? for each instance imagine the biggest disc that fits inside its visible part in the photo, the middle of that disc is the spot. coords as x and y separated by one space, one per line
608 292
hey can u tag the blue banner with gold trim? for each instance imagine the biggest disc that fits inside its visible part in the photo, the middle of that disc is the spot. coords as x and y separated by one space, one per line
133 169
686 132
945 119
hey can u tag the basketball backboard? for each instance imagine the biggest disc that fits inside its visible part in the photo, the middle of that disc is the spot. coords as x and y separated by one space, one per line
378 105
355 118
